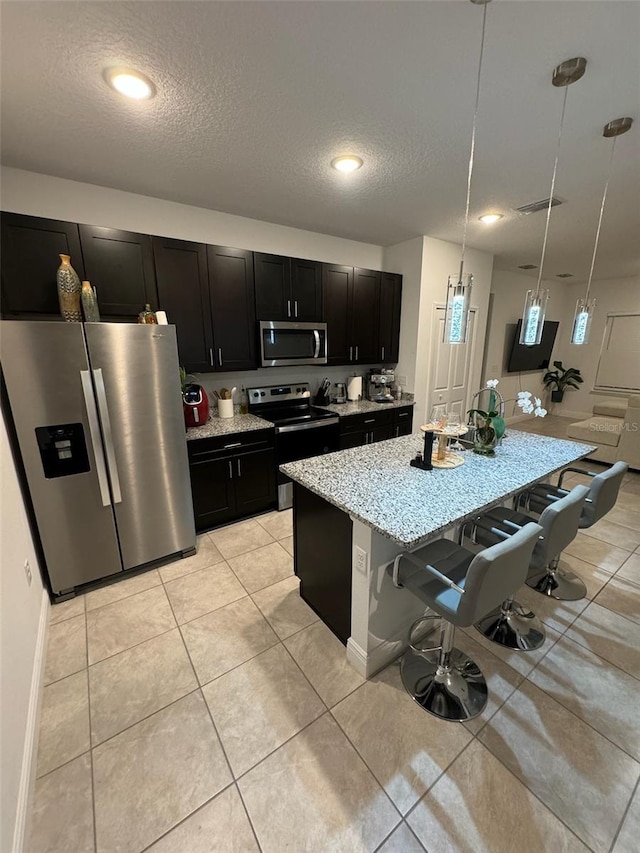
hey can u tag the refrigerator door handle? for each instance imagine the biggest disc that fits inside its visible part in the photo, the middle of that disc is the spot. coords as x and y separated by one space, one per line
96 442
108 436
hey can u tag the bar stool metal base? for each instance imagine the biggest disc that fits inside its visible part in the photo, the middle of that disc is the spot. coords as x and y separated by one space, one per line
456 692
561 584
513 627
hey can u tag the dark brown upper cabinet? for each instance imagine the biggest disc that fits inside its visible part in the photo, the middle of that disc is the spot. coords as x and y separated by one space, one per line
365 311
351 310
29 258
390 302
119 264
287 288
232 308
183 291
337 285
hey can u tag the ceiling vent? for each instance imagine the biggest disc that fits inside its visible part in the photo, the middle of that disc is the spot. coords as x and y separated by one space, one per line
528 266
539 205
564 275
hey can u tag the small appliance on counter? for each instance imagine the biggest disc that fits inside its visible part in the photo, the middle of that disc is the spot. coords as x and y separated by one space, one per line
195 405
379 386
340 393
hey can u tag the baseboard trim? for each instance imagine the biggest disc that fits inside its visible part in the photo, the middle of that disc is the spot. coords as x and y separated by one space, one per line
29 755
383 654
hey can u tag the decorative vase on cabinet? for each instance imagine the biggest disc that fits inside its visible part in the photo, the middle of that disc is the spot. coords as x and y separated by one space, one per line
69 290
89 303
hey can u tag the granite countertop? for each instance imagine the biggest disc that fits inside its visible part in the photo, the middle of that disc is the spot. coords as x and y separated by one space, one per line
225 426
362 407
376 485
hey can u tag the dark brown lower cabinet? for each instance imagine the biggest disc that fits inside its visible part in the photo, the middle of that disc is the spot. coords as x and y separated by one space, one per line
356 430
323 559
232 477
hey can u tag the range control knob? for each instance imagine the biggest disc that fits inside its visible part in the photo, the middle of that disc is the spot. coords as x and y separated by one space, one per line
255 394
262 393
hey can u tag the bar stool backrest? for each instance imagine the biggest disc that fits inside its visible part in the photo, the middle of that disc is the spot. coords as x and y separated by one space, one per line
603 494
559 521
496 573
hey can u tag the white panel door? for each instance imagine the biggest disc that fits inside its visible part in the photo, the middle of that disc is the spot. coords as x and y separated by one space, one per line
450 366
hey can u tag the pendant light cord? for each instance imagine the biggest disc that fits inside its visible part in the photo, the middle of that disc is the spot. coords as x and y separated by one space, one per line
604 198
553 185
473 141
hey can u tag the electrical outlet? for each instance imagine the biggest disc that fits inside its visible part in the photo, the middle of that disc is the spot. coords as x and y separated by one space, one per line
401 380
361 560
27 571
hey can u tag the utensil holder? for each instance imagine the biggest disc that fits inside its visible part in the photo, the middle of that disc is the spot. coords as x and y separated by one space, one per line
225 408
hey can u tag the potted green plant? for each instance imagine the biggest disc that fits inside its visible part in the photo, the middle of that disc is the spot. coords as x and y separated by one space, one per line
560 379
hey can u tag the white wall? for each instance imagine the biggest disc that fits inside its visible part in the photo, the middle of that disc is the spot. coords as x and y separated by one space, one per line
612 296
426 264
509 289
23 613
56 198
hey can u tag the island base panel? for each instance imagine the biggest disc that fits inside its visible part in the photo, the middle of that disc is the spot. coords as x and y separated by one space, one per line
323 559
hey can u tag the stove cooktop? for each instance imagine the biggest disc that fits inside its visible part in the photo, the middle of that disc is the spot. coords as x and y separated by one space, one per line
285 404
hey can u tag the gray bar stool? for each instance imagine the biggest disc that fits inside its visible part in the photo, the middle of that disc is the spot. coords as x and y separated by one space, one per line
460 587
511 624
601 497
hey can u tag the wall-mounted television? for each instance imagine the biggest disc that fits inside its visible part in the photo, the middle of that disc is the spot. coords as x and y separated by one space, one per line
522 358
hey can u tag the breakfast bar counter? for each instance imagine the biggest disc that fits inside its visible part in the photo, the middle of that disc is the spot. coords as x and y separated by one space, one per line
355 510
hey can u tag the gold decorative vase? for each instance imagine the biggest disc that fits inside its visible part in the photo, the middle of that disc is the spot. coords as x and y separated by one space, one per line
69 290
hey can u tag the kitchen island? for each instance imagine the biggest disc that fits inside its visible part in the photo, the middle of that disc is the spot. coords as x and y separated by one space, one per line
355 510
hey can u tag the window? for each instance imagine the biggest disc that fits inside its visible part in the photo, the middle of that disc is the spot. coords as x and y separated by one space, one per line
619 365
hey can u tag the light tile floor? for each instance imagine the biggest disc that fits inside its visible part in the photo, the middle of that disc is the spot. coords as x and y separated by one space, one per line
203 708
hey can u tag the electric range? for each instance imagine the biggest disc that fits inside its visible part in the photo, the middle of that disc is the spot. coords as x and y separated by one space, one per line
302 430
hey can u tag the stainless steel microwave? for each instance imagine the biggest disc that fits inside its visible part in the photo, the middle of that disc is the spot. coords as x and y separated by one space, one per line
283 343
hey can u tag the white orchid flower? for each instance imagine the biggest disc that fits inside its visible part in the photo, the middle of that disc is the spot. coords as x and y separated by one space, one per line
492 383
538 402
539 412
524 395
528 408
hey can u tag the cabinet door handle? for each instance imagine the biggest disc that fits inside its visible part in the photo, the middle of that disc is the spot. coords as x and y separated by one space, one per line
350 353
230 470
397 432
382 356
238 468
356 353
295 308
220 356
288 307
370 421
235 444
211 357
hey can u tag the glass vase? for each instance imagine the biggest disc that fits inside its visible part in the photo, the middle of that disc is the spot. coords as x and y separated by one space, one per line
89 303
484 441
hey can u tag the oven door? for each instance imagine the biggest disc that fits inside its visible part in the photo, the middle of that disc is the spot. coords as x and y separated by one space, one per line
284 343
300 441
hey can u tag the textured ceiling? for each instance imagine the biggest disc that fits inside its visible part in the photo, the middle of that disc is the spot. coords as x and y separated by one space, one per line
255 98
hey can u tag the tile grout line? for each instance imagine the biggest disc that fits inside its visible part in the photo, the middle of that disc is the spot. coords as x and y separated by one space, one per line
624 816
91 767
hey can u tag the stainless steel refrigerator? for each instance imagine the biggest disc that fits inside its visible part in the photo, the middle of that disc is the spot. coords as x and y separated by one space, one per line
98 415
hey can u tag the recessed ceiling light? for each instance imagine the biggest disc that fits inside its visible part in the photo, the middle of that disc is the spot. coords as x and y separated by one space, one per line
490 218
130 83
346 163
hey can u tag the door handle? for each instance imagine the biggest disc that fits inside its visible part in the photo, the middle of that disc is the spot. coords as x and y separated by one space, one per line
235 444
211 357
108 435
288 307
295 308
238 468
96 442
220 356
316 337
382 356
356 353
230 470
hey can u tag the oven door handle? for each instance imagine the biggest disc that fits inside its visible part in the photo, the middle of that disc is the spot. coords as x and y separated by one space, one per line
310 425
316 335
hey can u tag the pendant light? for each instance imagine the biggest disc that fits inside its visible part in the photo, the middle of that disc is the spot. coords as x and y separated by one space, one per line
535 301
459 286
585 306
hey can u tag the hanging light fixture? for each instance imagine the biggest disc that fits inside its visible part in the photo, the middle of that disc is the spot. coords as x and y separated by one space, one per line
459 286
585 306
535 301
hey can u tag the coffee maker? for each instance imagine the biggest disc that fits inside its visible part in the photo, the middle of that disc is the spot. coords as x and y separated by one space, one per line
379 383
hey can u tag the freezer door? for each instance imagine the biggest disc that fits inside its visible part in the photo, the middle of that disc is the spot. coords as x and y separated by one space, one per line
135 371
49 385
